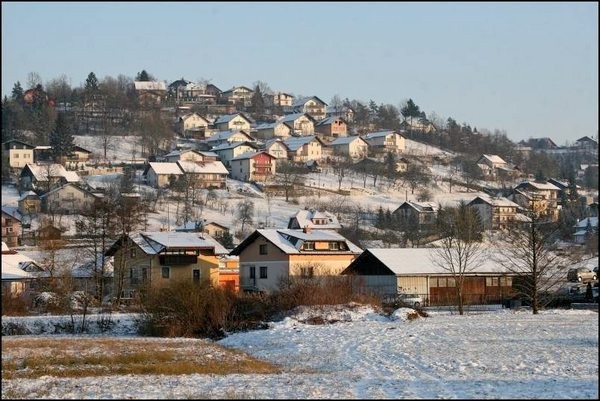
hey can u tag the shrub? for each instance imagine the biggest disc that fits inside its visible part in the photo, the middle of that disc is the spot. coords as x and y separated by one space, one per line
14 305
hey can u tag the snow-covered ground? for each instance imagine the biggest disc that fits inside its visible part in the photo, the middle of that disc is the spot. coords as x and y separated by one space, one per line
500 354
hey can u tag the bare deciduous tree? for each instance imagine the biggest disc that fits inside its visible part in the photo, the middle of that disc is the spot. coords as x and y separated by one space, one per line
525 250
460 251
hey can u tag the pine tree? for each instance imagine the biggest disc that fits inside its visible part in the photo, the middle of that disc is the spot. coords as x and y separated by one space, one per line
17 92
143 76
380 222
91 83
61 137
258 103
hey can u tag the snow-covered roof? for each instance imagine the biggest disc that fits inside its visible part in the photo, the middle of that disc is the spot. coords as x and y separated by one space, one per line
228 117
225 135
421 206
231 145
40 172
77 187
158 241
495 201
249 155
539 185
150 85
593 222
215 167
290 240
301 101
165 168
409 261
295 143
13 212
494 158
377 134
26 194
329 120
13 264
305 219
292 117
345 140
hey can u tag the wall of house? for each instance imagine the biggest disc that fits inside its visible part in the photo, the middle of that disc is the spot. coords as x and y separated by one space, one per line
240 169
30 205
258 171
485 213
235 124
11 230
68 199
278 150
18 158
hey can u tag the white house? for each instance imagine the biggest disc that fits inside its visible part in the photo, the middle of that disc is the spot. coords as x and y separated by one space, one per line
159 175
384 141
352 146
233 122
228 151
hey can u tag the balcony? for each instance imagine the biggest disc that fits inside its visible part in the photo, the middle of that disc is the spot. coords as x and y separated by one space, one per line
177 260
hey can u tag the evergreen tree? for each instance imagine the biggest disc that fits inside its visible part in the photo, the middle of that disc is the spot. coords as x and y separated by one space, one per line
380 222
143 76
258 103
126 184
91 83
17 92
61 137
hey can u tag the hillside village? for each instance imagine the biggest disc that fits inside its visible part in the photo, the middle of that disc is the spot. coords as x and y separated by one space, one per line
119 185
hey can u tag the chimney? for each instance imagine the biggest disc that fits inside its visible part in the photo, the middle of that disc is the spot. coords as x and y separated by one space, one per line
307 229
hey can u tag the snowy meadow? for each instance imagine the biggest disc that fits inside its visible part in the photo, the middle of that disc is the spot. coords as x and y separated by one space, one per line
364 354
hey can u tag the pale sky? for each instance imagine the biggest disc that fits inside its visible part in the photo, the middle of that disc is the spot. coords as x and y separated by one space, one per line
528 68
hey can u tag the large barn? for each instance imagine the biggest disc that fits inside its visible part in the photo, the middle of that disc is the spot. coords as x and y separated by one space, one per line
392 271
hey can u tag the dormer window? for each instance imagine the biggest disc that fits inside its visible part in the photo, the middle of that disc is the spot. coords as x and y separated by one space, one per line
308 246
334 246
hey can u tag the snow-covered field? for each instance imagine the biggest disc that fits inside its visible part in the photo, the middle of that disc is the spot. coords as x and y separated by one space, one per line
501 354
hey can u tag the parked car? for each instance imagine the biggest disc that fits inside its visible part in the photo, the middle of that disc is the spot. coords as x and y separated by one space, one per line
410 299
581 274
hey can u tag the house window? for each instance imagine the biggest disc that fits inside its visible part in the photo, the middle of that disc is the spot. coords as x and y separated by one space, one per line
263 272
307 271
308 246
252 271
263 249
133 252
166 272
16 155
334 246
451 282
196 275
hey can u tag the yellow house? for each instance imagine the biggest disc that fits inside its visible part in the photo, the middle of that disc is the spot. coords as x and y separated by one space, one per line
269 256
233 122
160 258
19 153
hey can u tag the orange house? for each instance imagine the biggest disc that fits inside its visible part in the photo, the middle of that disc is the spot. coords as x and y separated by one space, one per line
229 272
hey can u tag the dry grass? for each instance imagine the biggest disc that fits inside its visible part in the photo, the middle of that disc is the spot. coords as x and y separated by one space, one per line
84 357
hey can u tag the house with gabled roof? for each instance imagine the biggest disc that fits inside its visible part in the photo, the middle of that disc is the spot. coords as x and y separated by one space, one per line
160 175
280 99
238 95
18 153
497 213
314 219
421 213
312 106
585 229
541 197
304 148
150 92
69 199
385 141
277 148
352 146
277 129
269 256
204 174
11 225
233 122
190 155
16 280
227 137
161 258
30 203
192 125
332 127
489 164
229 151
346 112
44 177
300 123
253 166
